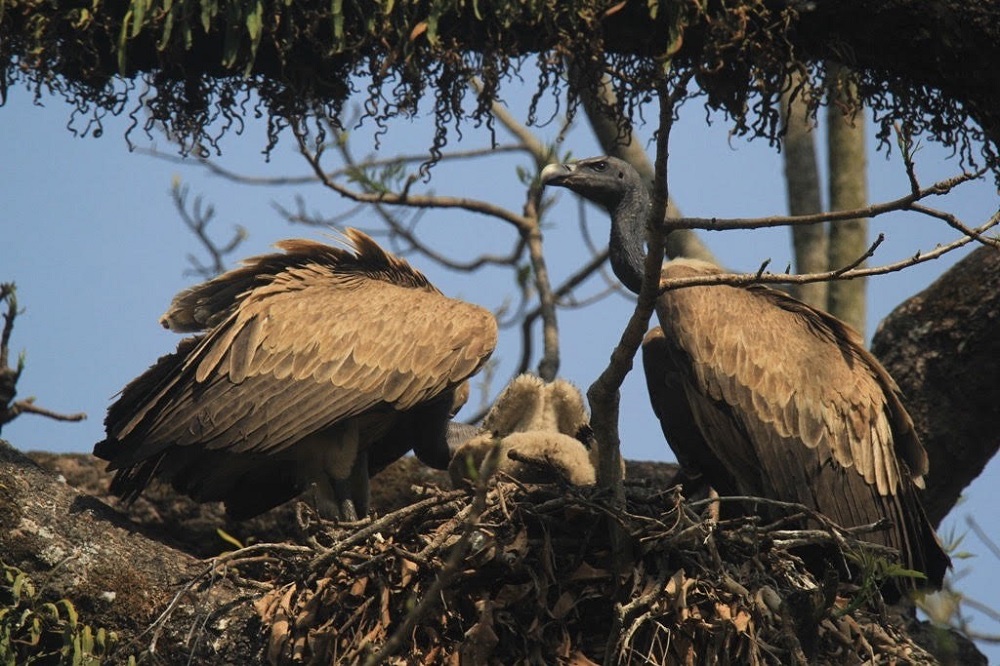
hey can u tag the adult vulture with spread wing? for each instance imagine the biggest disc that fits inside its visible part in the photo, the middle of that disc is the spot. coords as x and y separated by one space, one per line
765 396
313 368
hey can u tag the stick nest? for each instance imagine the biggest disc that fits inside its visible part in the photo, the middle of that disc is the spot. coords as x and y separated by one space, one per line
525 574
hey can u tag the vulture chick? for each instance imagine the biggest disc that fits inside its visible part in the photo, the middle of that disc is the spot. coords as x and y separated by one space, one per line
763 395
544 425
312 369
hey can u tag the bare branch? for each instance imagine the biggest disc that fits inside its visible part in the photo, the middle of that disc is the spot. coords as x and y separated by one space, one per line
743 279
9 376
311 179
197 221
874 210
955 223
548 365
28 406
604 392
402 199
8 294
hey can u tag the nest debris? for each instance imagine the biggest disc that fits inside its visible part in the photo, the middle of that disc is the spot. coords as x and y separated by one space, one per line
519 573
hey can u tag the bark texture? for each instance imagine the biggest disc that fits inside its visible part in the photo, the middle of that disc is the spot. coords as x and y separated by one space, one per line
116 573
942 346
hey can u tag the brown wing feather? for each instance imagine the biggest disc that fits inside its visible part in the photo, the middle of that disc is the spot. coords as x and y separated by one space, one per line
329 336
788 400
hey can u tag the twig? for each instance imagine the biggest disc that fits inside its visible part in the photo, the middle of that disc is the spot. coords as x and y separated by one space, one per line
400 199
326 558
981 533
901 204
8 293
548 365
450 567
28 406
267 181
197 221
953 222
743 279
10 376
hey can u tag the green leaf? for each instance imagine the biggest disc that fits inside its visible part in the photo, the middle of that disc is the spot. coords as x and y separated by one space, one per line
139 8
337 15
228 538
87 639
255 28
71 616
209 10
49 610
123 41
168 28
22 585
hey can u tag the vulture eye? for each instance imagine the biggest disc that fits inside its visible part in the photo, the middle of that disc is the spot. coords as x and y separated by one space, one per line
599 166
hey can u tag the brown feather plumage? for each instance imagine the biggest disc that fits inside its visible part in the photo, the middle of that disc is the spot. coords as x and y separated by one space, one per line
295 344
792 407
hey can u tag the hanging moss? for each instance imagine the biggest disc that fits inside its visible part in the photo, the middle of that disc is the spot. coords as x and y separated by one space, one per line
199 66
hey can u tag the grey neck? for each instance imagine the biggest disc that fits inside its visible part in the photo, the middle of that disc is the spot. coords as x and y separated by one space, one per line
628 236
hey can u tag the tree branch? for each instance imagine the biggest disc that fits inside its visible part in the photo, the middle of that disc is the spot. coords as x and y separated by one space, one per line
743 279
901 204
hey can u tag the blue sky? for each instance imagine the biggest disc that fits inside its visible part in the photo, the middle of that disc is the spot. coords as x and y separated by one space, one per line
97 250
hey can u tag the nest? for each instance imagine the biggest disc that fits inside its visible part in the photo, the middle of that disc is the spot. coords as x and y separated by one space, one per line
513 573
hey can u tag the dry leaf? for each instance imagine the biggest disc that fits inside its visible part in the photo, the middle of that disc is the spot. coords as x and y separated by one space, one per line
407 569
418 30
742 621
614 9
481 640
358 587
580 659
587 572
563 605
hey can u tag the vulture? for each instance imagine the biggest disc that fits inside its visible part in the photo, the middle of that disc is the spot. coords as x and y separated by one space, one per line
759 394
310 370
545 424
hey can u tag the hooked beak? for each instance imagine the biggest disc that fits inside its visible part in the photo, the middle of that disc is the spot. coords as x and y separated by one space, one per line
556 174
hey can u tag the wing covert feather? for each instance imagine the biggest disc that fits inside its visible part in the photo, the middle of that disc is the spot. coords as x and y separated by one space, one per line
305 350
792 396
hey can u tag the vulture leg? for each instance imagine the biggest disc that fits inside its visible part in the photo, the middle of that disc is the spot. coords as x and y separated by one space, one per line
339 482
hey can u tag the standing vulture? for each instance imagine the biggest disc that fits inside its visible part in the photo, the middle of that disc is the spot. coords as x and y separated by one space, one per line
312 369
764 396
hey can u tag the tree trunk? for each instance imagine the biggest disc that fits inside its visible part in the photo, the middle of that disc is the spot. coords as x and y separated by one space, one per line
942 347
115 574
804 198
848 189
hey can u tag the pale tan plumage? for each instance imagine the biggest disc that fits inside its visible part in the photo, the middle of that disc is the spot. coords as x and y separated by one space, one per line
313 363
542 422
759 394
789 405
